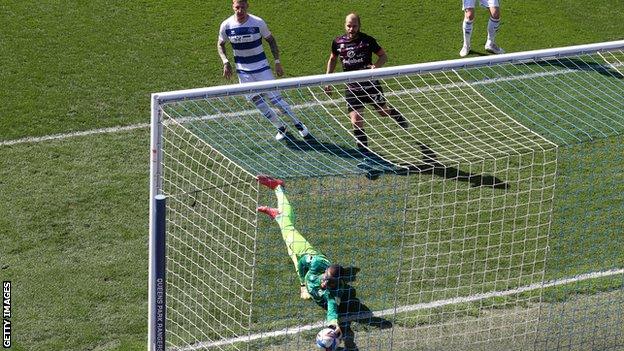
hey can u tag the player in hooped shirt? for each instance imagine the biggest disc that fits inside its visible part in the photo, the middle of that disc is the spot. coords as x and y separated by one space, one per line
355 51
245 32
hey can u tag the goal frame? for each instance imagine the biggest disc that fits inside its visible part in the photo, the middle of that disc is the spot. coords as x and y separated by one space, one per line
156 276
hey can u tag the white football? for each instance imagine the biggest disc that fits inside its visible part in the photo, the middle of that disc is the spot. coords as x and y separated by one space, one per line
326 339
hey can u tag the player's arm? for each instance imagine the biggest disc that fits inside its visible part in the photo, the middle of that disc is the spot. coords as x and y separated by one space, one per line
332 313
382 58
279 70
331 67
303 266
331 63
302 269
227 68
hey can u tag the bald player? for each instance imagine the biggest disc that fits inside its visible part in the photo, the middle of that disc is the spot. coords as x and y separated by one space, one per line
355 51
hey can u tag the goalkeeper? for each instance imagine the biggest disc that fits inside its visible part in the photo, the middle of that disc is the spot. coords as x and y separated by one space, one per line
318 278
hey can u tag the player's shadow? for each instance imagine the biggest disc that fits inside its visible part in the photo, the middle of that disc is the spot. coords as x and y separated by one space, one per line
478 53
371 159
351 309
310 143
432 166
348 274
452 173
375 165
580 65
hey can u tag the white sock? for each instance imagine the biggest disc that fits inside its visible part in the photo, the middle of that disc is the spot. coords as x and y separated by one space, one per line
285 108
467 28
267 112
492 28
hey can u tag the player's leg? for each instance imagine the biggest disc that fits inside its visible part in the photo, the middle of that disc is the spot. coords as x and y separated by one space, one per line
469 14
355 106
387 110
296 244
492 28
383 107
277 100
268 112
284 215
261 103
357 122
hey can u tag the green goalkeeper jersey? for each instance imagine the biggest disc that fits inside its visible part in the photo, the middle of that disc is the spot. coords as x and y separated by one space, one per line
309 262
310 268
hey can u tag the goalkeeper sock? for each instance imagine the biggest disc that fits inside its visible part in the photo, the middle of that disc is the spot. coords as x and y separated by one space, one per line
467 28
285 108
267 111
492 28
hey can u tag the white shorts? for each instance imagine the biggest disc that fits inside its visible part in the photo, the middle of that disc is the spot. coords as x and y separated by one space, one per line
470 4
258 77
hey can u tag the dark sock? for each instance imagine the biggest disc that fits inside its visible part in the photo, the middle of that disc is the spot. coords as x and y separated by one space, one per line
398 117
361 138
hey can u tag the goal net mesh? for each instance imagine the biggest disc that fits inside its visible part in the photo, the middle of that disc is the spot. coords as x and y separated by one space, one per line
450 225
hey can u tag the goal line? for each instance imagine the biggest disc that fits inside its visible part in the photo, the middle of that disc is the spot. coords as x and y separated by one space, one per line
411 308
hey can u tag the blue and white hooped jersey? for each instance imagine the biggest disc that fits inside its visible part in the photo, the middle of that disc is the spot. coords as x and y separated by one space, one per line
246 39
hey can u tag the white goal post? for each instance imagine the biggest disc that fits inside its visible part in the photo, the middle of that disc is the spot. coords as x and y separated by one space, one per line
468 234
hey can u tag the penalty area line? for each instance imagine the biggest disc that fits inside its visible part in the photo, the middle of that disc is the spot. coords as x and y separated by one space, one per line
403 309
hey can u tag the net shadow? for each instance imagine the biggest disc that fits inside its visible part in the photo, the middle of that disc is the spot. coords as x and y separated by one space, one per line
580 65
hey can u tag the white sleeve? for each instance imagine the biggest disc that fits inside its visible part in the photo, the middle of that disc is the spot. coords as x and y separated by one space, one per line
222 35
264 29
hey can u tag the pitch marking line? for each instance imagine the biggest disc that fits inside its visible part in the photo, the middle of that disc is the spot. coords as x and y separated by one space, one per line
109 130
73 134
410 308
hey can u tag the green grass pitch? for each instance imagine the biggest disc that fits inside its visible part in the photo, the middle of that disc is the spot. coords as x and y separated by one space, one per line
74 212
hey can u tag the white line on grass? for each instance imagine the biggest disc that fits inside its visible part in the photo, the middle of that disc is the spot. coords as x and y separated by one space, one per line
248 112
73 134
391 311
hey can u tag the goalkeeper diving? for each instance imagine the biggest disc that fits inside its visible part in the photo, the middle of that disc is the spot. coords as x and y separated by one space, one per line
319 279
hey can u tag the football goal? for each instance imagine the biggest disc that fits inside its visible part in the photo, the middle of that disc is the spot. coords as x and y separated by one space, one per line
487 218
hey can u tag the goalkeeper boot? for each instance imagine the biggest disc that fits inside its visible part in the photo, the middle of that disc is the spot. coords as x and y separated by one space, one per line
303 130
269 181
281 133
269 211
465 50
491 47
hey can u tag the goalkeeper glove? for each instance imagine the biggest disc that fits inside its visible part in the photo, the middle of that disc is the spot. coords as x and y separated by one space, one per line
304 293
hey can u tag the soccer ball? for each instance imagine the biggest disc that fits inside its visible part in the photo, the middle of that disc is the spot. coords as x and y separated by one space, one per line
326 339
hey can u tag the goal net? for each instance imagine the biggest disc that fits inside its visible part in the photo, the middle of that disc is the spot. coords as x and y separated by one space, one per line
445 223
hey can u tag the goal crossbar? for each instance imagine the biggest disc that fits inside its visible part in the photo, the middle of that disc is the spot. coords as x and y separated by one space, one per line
474 224
419 68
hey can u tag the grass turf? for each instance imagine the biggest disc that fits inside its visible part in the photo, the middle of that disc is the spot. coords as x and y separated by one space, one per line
74 223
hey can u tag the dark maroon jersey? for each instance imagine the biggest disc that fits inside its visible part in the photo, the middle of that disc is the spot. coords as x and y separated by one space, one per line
355 54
